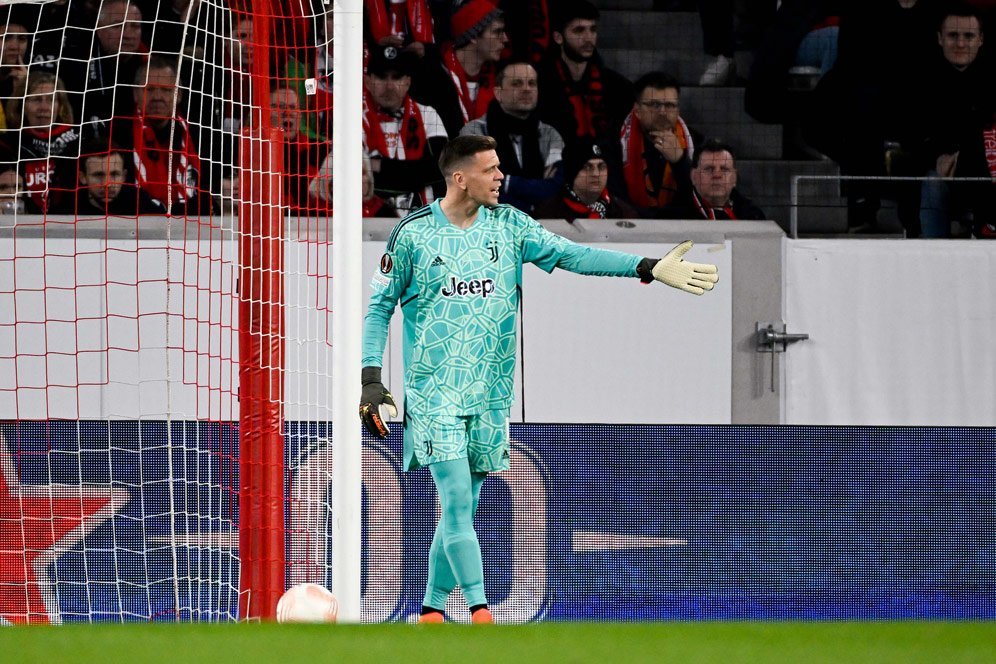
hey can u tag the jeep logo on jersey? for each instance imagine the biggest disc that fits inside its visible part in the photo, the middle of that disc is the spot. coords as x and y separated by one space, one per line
482 287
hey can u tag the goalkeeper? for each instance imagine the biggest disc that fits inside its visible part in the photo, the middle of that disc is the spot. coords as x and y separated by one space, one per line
456 268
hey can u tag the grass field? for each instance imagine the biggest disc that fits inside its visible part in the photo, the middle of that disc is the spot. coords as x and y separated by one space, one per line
611 643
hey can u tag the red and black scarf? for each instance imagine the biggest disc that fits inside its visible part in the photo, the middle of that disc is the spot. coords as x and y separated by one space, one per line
388 18
586 98
412 133
152 161
471 108
539 30
595 210
646 190
709 212
989 146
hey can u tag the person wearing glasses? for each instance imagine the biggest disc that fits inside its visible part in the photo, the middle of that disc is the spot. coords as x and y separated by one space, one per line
657 144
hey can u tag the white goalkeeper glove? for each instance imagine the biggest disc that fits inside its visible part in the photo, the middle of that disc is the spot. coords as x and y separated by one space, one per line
673 270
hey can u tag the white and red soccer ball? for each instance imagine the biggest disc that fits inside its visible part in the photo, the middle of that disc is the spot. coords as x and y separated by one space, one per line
307 603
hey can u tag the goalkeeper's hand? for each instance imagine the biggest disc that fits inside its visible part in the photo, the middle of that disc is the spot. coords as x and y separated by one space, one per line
374 398
678 273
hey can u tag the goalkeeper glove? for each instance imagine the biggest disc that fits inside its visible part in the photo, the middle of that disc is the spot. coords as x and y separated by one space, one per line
678 273
373 398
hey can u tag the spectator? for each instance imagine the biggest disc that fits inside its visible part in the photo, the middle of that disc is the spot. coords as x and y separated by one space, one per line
315 64
227 201
116 54
107 188
657 145
404 137
404 24
585 195
13 199
872 99
713 192
13 57
581 97
528 26
373 205
961 107
302 157
529 150
460 88
42 139
167 165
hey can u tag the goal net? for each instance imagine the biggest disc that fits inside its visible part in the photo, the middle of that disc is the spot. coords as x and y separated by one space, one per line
165 307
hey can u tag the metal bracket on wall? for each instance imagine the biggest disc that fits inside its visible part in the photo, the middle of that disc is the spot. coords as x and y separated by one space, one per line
770 339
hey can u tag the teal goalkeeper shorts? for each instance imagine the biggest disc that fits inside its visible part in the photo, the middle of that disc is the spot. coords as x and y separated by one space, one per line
482 439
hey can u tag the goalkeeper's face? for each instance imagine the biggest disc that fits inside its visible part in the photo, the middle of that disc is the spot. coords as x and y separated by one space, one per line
481 178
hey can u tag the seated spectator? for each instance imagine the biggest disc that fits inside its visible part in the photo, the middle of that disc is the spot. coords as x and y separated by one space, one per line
315 64
529 150
117 54
585 194
872 100
227 200
657 145
713 192
302 157
42 139
529 29
13 195
460 87
373 205
403 24
168 170
14 56
961 108
106 187
581 97
404 137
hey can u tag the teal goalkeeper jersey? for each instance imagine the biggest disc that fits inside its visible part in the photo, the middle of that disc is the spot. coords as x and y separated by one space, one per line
459 294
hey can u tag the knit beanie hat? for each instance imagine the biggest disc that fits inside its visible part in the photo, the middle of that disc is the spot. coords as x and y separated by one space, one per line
470 19
579 152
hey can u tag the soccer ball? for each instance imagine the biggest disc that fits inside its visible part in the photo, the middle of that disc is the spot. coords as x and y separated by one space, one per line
307 603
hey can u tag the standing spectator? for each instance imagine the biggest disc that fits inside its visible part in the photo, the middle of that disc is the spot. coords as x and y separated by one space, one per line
460 88
529 150
42 139
713 192
581 97
166 162
118 53
107 187
302 156
585 194
404 24
657 145
404 137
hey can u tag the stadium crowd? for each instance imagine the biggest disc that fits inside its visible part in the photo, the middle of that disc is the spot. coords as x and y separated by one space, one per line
112 107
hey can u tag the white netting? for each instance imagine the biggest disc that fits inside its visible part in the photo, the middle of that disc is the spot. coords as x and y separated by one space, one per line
148 248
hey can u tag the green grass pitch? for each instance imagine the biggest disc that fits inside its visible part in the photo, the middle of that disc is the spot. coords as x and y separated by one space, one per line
611 643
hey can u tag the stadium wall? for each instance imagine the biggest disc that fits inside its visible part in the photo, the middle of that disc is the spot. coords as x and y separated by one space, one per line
899 330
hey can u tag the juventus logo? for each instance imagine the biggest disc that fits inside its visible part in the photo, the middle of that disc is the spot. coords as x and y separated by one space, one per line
493 248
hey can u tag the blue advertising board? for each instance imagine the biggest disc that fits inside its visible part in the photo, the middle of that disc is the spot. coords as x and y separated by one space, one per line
137 520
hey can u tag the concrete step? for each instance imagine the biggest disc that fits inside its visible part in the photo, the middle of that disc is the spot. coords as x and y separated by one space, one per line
719 113
641 29
685 65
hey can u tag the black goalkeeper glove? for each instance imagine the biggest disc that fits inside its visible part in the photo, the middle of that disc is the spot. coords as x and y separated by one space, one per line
374 397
